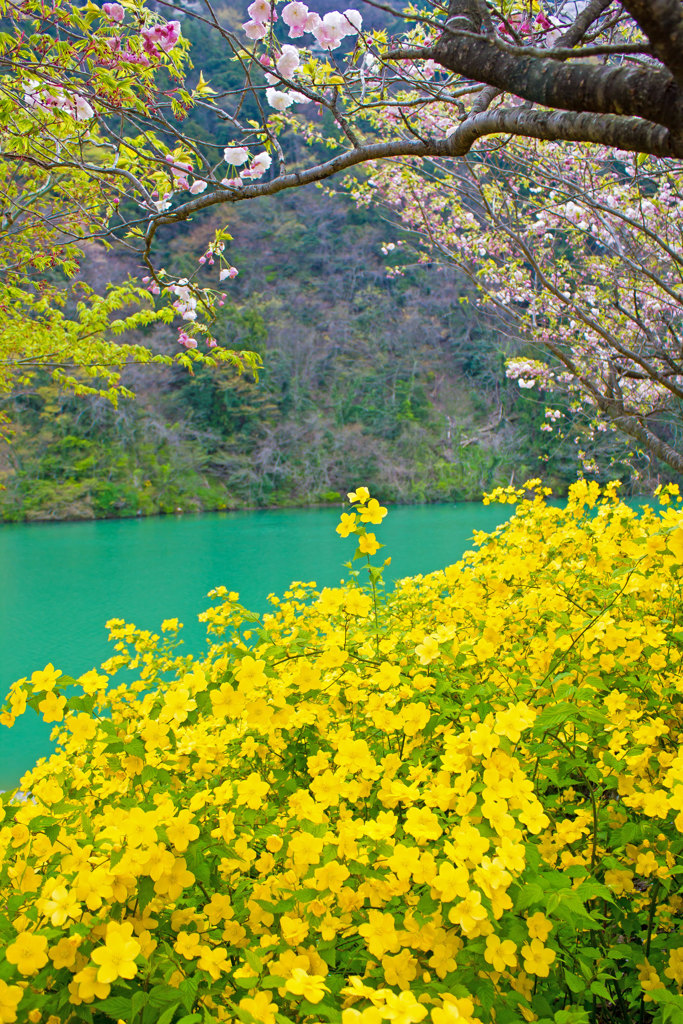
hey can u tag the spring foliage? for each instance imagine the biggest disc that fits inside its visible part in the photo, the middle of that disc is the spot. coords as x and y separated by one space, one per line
458 801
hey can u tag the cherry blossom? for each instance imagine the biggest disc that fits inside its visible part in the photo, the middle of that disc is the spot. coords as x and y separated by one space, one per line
255 29
289 61
235 155
163 36
279 99
295 15
114 12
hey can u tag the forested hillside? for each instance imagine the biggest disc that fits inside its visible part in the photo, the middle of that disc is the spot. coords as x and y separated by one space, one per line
399 382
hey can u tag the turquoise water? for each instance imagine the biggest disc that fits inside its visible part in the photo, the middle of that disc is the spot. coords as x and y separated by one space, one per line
61 582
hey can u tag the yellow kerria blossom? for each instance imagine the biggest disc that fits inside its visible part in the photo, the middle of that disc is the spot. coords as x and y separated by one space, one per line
537 958
28 952
187 944
10 997
311 986
454 1011
260 1006
86 987
46 678
60 905
373 512
359 496
52 707
675 966
214 961
538 926
403 1008
347 524
368 544
500 953
116 959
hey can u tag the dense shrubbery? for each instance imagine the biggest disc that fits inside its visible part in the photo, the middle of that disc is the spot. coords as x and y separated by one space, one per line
460 801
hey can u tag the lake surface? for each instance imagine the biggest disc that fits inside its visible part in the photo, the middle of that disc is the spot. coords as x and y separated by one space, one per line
60 582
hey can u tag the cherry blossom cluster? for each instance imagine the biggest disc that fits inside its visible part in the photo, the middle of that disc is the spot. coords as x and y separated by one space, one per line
53 98
329 31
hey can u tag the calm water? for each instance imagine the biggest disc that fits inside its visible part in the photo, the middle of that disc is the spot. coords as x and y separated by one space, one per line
59 583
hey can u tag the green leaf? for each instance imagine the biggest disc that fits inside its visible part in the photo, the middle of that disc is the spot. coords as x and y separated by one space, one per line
167 1016
574 983
137 1002
145 891
187 990
162 995
598 988
116 1007
272 981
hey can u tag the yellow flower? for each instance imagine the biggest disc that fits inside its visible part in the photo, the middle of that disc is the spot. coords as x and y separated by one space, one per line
116 959
64 953
403 1008
294 930
60 905
46 678
85 987
28 952
468 913
428 650
379 933
368 544
422 824
537 958
675 968
648 977
10 997
311 986
261 1007
373 512
539 926
347 524
500 954
52 707
454 1011
187 944
182 831
252 791
360 495
214 961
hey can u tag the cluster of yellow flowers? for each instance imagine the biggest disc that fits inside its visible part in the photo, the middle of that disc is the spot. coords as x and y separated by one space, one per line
460 801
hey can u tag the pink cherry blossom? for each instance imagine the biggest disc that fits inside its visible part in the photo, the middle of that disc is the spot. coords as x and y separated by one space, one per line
198 186
186 340
114 12
331 30
235 155
163 36
255 29
279 99
258 167
230 272
260 10
312 22
81 109
289 61
295 16
355 20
